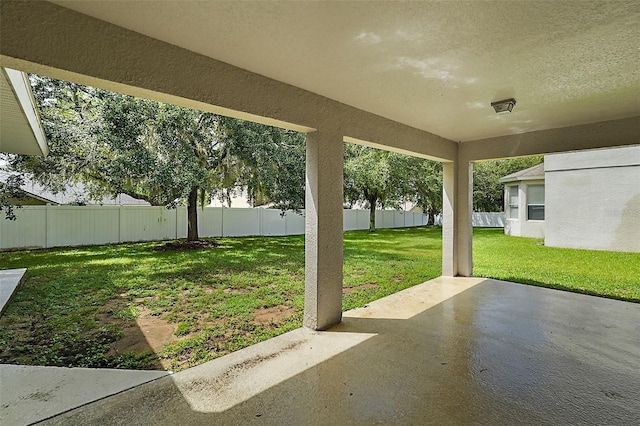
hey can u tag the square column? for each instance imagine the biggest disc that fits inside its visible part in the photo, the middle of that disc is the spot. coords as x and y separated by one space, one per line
323 230
457 229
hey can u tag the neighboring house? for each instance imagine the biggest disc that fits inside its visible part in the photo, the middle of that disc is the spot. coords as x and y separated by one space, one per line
586 199
524 202
37 195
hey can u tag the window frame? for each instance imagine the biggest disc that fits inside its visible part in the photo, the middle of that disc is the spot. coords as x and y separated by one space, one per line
530 205
513 206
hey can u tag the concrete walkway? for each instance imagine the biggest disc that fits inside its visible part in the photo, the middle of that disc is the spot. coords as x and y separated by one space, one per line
450 351
9 281
31 394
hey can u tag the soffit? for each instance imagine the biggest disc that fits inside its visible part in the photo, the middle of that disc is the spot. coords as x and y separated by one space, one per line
21 132
435 66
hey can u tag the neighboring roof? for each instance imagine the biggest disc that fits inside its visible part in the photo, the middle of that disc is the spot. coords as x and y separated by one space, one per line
535 172
73 194
22 131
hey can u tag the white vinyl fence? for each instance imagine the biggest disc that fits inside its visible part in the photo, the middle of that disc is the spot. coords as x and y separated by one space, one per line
482 220
54 226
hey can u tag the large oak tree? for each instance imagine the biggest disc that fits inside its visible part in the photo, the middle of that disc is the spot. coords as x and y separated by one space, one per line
164 154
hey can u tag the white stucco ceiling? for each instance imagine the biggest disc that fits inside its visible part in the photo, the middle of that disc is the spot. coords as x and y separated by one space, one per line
436 66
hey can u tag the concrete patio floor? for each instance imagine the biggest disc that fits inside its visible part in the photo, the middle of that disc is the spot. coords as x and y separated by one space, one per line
449 351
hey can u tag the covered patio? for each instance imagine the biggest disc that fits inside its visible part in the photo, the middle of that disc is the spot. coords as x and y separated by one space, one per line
416 78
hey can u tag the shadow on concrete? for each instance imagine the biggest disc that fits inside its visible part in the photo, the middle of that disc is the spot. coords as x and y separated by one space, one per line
562 287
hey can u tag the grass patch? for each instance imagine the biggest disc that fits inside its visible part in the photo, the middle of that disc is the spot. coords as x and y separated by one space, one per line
526 260
94 306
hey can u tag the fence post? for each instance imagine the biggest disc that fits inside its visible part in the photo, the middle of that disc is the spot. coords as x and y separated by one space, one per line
46 226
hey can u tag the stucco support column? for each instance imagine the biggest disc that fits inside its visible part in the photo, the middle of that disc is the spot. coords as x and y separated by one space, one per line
457 230
323 230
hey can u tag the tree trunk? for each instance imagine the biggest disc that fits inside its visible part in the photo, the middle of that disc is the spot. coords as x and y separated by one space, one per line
372 215
431 216
192 215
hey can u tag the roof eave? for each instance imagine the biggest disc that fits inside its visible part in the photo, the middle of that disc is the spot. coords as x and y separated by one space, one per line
520 178
19 82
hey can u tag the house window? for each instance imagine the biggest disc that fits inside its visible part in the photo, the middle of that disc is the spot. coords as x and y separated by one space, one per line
535 202
512 202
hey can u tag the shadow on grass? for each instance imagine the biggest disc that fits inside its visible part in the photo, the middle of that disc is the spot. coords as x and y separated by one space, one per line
563 287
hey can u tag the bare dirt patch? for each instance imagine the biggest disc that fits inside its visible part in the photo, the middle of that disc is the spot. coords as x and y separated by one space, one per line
186 245
150 333
272 315
349 290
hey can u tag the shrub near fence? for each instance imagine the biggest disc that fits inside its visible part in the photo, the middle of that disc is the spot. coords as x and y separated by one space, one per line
54 226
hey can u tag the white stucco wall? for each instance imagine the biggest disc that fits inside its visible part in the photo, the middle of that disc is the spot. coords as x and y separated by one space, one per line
593 199
520 226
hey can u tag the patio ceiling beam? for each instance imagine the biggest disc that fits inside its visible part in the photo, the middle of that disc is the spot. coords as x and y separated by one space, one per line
604 134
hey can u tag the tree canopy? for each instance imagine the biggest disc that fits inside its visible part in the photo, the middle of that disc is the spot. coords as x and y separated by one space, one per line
377 178
10 193
487 190
380 179
161 153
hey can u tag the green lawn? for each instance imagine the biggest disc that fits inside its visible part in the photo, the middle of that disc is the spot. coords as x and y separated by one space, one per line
528 261
88 306
128 306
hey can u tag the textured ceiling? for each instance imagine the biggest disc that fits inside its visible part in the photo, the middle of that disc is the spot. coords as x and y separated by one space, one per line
436 66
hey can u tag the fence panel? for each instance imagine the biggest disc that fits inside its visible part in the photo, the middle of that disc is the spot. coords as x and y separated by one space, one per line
350 220
274 222
385 218
363 219
28 230
398 219
106 226
209 222
89 225
238 222
488 220
144 223
295 223
181 222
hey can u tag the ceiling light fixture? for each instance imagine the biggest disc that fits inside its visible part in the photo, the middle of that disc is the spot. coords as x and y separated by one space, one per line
504 107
